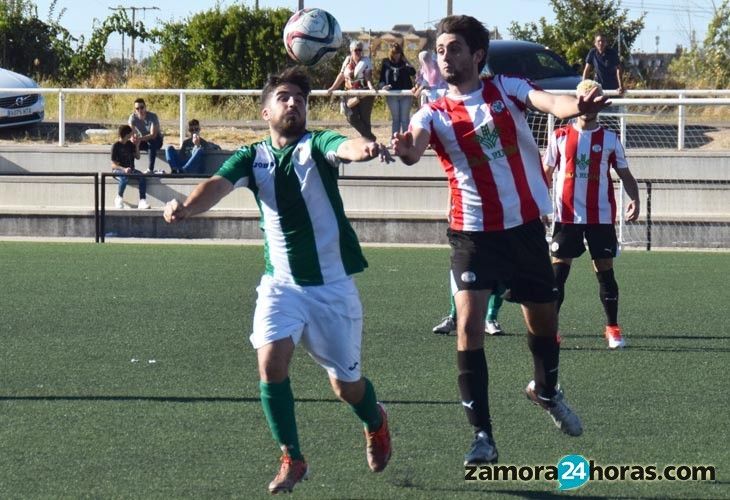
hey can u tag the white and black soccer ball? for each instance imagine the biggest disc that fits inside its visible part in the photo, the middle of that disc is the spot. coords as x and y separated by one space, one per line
312 35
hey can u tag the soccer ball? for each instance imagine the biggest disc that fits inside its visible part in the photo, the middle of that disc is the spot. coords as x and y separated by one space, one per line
312 35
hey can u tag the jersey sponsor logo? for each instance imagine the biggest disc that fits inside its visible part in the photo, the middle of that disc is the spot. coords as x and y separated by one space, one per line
583 161
264 164
488 138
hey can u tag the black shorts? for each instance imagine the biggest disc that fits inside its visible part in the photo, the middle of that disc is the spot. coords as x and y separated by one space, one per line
568 243
518 257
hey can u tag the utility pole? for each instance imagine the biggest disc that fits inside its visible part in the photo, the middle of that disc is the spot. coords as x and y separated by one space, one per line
134 18
301 5
449 7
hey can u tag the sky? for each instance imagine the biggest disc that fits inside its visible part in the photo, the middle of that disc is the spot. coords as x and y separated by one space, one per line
671 21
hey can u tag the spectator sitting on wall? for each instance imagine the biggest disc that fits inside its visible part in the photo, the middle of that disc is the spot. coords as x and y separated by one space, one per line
147 128
190 158
124 152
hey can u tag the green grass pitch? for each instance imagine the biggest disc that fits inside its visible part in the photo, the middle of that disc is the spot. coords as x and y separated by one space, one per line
126 372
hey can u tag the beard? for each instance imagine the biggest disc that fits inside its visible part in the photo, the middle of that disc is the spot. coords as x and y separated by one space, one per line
290 126
456 77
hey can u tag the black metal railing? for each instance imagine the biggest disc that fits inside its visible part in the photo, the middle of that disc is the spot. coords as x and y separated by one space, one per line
100 190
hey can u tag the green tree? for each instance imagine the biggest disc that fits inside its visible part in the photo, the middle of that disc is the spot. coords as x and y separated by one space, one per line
28 45
708 65
577 22
236 47
90 58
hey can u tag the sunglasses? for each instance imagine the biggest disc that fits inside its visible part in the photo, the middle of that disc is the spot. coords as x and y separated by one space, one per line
193 130
357 50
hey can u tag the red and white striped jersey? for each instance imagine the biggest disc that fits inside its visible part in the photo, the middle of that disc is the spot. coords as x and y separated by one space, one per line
489 155
582 160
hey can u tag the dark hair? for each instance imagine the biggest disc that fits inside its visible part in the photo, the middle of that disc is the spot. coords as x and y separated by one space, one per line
395 48
469 28
139 100
601 34
124 130
294 75
194 123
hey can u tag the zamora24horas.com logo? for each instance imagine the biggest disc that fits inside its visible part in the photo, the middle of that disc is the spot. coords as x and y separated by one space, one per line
573 471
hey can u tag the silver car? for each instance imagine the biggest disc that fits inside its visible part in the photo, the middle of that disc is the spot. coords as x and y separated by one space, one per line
21 107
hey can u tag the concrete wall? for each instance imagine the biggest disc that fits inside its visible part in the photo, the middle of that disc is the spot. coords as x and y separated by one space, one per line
381 210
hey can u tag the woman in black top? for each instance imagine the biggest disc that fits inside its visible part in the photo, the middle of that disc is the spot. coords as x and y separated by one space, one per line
397 74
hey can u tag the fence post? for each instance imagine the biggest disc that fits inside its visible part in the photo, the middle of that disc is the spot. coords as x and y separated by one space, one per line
680 124
550 126
102 211
96 207
648 216
61 118
182 117
622 125
622 210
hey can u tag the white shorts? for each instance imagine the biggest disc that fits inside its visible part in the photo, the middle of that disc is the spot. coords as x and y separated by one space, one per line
327 319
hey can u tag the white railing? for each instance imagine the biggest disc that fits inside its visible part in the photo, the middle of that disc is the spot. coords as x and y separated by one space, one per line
679 98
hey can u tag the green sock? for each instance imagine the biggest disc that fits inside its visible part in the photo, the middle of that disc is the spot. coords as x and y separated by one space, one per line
278 403
367 408
452 311
495 302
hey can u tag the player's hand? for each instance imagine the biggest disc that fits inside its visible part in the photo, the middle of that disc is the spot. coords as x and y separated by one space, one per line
375 149
401 144
632 211
173 212
592 102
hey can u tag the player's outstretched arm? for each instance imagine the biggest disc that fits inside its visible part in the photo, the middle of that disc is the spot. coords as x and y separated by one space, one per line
565 106
204 196
410 145
362 149
632 190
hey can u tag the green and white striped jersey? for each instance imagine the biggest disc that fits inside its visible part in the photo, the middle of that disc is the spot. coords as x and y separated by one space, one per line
307 237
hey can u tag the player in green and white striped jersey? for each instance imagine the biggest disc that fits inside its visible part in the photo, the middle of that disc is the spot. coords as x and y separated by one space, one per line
307 293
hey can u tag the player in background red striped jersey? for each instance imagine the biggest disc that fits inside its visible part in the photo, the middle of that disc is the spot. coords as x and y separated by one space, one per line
582 155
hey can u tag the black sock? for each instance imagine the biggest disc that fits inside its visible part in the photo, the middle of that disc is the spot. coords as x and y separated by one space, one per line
473 388
608 292
561 271
546 358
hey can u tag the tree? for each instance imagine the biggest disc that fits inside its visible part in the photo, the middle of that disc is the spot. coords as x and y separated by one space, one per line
28 45
577 22
708 65
221 49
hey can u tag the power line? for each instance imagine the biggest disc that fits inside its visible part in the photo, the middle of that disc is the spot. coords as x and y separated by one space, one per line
134 16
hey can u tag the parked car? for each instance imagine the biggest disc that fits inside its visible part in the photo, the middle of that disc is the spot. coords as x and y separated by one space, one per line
22 107
531 60
544 67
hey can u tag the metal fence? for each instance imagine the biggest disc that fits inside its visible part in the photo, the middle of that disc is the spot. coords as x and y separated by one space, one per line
634 104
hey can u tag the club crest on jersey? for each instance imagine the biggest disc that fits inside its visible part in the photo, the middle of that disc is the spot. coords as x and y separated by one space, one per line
497 106
596 148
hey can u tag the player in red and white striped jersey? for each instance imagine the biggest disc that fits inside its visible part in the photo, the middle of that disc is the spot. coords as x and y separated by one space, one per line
499 191
582 155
